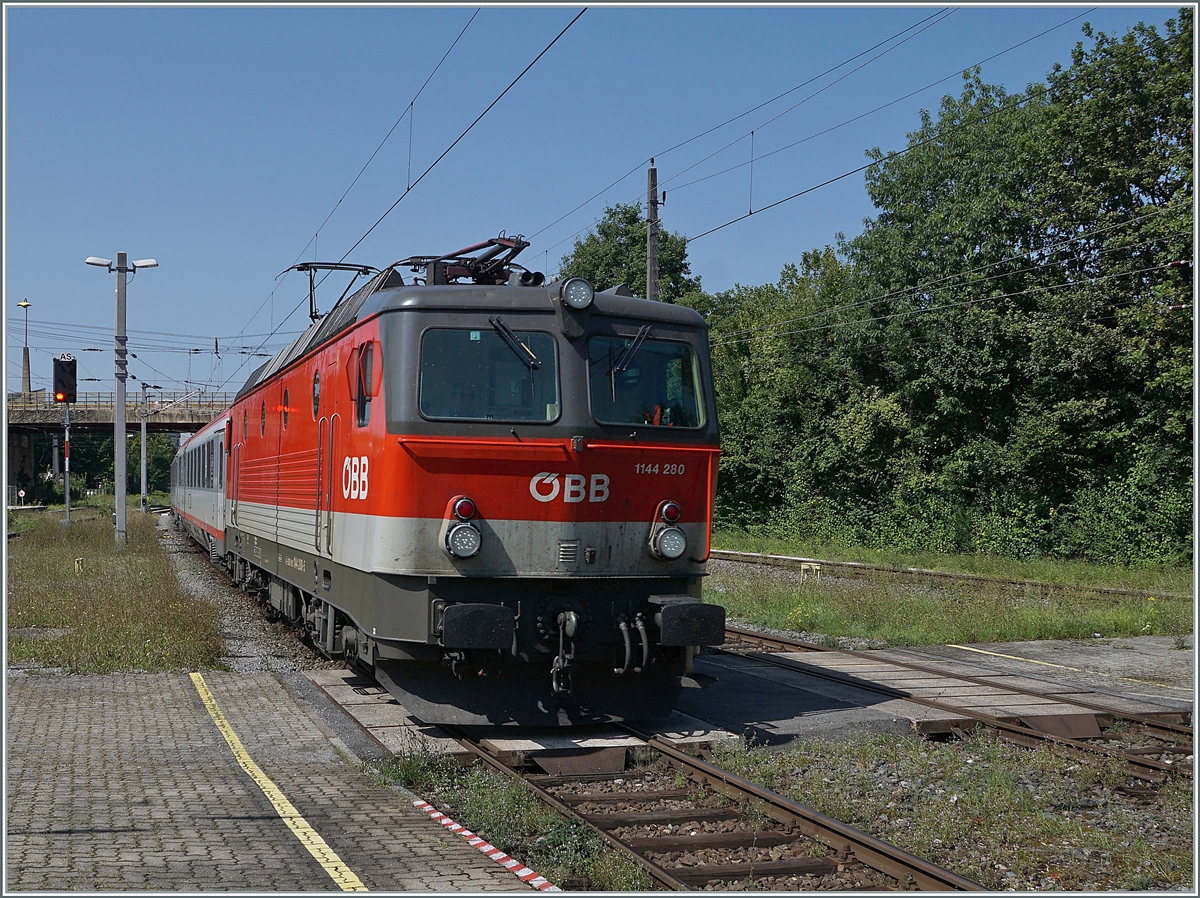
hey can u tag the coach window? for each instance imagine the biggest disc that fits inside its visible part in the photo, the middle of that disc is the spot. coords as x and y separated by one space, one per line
362 387
489 374
285 409
645 382
245 425
316 393
262 424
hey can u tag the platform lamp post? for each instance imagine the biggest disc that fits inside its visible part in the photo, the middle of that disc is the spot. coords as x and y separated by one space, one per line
145 409
122 268
26 386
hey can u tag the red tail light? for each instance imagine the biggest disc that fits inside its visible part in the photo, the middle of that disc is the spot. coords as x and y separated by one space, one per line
464 509
670 512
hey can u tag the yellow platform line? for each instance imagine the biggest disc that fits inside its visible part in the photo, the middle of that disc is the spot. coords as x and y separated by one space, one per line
967 648
324 855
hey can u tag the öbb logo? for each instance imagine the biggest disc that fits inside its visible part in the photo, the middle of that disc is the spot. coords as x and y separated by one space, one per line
545 487
354 477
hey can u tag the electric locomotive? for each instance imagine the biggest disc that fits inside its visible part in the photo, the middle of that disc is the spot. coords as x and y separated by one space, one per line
493 492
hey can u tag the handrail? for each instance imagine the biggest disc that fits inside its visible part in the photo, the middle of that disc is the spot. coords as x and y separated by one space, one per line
155 402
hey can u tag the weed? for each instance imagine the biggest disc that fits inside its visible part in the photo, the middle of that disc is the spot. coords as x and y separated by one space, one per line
905 613
78 602
1072 573
996 813
510 817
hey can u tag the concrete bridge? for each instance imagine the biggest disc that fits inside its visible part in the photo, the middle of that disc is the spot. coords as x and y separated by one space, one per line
35 419
166 412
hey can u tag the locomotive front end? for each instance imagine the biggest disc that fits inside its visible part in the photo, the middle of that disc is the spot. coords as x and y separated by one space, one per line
493 493
557 452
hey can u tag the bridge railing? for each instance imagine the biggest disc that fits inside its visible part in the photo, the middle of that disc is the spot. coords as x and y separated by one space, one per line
155 402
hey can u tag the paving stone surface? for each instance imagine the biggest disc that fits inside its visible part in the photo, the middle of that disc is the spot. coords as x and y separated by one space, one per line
123 782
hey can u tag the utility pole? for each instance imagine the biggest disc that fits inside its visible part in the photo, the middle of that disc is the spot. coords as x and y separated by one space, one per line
122 372
145 415
121 366
143 447
652 232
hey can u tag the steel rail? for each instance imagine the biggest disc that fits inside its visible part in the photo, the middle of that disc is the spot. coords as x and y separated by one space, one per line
789 561
900 865
1142 768
785 643
895 862
657 873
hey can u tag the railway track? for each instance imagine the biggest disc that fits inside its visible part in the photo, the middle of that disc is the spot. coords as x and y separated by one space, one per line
1150 748
861 569
691 825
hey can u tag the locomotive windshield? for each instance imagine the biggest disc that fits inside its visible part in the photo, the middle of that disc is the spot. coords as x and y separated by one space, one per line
636 380
489 374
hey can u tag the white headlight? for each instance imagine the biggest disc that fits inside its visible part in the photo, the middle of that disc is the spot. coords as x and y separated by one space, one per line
578 293
463 540
670 543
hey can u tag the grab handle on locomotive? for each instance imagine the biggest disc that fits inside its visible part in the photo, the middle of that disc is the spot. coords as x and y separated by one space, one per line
623 626
640 622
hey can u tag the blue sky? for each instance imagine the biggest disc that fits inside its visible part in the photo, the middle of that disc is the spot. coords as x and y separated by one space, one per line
218 139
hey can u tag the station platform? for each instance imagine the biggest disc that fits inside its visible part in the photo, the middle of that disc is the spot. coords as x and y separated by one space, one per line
128 782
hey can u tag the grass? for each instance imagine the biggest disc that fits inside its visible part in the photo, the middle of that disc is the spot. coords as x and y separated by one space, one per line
510 817
118 611
895 612
1004 816
1079 574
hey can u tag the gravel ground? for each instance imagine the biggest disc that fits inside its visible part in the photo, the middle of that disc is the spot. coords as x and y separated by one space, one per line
252 641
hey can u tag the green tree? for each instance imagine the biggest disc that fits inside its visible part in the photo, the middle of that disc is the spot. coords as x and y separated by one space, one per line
615 253
159 455
1002 360
1024 315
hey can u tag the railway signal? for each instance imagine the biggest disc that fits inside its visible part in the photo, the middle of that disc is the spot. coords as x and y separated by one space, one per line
64 378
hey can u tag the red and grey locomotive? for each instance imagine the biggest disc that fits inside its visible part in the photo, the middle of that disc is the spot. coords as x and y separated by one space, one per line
494 492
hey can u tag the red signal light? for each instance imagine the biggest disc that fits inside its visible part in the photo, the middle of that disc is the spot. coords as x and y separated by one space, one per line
670 512
464 509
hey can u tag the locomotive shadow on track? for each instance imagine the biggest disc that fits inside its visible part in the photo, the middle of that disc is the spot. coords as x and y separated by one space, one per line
773 706
520 697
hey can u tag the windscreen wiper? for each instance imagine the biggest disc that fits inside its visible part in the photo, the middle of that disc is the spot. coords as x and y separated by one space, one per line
631 350
523 352
626 357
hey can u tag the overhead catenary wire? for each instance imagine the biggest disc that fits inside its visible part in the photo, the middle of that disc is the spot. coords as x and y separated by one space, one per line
941 281
408 111
468 130
729 121
956 73
433 165
929 309
880 108
814 94
1017 100
922 338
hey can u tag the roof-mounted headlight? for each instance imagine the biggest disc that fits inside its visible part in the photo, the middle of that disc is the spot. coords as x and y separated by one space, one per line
577 293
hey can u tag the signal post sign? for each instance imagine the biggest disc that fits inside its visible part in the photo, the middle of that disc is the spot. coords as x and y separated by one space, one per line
64 392
64 378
